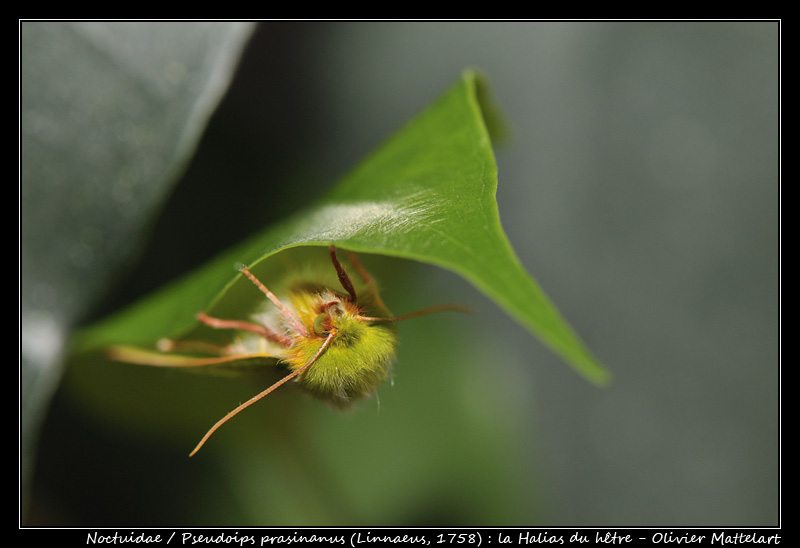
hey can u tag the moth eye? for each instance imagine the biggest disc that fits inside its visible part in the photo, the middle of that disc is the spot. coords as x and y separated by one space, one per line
319 323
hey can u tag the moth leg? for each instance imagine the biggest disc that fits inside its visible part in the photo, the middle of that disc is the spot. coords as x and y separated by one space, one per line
289 316
264 331
254 399
141 356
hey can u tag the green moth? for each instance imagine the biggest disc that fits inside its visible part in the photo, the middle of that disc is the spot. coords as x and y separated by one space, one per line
338 343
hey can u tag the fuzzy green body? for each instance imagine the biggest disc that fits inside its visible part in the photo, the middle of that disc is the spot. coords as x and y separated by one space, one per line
358 358
339 345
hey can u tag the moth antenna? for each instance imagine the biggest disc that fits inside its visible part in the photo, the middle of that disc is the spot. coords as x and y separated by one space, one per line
287 314
136 355
365 275
344 279
260 395
368 280
262 330
424 311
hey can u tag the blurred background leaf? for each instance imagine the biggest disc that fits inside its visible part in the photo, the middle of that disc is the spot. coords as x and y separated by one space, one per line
110 113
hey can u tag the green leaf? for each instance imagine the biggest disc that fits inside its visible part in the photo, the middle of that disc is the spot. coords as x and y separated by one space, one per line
428 194
110 113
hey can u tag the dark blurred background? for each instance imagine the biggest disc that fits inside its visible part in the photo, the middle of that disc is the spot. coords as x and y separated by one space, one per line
640 185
